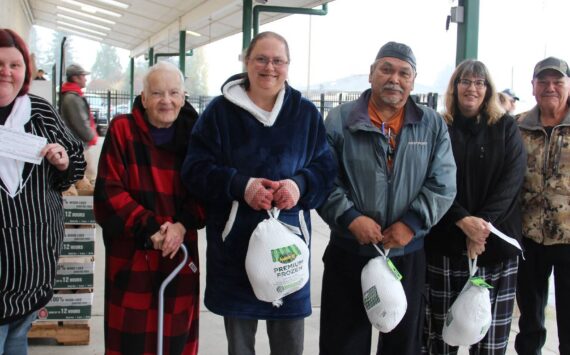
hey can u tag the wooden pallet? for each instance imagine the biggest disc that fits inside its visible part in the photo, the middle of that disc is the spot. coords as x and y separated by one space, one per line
64 332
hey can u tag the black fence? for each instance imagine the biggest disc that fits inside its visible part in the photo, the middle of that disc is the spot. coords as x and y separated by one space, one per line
107 104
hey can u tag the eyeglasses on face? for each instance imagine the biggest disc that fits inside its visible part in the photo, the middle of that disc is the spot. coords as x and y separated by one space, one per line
263 61
479 83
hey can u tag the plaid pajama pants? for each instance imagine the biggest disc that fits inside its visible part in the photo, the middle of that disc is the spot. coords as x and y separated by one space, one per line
445 280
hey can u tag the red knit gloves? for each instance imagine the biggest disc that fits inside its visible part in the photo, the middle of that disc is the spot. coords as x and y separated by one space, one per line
287 195
259 193
262 194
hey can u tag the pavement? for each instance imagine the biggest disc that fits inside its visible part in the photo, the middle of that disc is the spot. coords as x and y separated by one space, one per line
212 334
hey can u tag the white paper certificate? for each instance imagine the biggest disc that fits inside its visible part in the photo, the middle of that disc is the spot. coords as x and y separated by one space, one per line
504 237
21 145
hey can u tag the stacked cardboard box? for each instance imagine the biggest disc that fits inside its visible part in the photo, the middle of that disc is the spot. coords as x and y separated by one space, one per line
66 316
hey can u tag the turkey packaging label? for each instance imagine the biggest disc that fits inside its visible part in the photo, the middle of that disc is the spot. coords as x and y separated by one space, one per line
277 260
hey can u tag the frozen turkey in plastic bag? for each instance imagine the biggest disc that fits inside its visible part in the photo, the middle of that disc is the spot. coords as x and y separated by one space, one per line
277 260
382 292
469 317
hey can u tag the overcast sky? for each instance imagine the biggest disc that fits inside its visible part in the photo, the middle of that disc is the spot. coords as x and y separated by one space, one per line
513 36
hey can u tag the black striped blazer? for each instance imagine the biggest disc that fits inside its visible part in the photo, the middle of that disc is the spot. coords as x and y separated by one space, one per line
31 223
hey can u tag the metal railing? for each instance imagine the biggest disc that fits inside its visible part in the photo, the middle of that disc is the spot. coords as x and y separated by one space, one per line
107 104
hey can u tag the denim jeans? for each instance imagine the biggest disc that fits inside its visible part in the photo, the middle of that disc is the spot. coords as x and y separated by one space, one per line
14 336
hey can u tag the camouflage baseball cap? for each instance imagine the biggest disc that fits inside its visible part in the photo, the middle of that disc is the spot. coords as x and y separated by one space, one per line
552 63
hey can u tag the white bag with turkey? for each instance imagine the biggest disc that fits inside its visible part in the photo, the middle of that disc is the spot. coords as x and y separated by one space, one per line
277 260
469 317
382 292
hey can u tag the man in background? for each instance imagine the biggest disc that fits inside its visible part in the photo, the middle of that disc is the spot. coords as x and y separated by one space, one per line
76 113
545 200
40 75
510 104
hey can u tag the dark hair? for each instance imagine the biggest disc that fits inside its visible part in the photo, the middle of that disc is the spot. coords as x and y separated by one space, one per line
9 39
260 36
490 106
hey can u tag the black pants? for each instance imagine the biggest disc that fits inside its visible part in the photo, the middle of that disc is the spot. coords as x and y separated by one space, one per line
345 328
532 296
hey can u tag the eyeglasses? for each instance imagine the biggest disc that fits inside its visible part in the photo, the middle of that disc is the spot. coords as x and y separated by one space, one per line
263 61
479 84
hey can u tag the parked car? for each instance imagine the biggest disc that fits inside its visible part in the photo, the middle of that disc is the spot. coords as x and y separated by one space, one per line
101 121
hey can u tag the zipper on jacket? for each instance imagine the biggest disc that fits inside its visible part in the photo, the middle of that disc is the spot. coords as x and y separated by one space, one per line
389 174
546 157
557 154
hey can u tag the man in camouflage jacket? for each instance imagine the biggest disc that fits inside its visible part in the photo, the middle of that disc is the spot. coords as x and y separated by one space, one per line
546 208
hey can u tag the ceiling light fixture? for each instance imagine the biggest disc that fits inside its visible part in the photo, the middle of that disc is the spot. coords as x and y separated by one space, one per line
122 5
192 33
81 28
80 33
79 13
92 9
83 22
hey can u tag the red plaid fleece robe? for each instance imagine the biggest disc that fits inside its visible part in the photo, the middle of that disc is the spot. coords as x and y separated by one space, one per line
138 188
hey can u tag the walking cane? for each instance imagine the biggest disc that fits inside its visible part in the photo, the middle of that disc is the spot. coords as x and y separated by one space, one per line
161 298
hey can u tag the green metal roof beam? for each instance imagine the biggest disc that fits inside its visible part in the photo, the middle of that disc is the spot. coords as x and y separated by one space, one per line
182 52
284 10
468 31
172 54
246 23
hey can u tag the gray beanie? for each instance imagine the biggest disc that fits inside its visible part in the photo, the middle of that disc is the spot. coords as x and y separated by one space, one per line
399 51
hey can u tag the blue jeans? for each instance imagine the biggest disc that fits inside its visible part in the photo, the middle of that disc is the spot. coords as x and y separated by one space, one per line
14 336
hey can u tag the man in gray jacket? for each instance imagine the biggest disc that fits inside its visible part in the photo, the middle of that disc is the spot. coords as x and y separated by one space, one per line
76 113
74 108
396 180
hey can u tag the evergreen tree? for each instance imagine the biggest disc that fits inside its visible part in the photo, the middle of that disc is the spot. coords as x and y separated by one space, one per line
107 65
197 73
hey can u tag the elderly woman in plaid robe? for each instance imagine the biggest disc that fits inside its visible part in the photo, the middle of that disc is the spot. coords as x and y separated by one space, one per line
146 214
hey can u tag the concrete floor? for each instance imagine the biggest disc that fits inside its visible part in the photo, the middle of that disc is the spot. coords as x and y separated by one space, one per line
212 334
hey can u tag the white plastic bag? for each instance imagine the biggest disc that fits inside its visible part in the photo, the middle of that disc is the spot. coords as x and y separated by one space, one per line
277 260
382 292
469 317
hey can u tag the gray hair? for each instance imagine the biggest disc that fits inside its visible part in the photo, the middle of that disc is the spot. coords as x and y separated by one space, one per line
162 66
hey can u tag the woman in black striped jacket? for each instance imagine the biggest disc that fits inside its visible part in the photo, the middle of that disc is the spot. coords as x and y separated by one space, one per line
31 207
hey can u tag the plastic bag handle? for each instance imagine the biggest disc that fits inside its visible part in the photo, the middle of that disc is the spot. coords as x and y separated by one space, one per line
472 265
273 212
383 253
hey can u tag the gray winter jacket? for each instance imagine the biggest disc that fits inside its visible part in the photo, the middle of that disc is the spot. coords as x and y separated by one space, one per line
75 114
418 191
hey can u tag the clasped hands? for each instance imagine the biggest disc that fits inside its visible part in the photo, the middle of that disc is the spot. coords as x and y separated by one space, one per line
263 194
169 238
477 231
367 231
